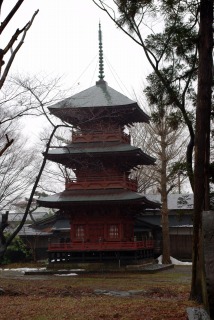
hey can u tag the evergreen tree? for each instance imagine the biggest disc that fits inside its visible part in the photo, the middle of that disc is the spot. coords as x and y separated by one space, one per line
172 53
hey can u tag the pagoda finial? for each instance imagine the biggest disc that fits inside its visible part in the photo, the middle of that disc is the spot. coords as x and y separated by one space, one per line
101 65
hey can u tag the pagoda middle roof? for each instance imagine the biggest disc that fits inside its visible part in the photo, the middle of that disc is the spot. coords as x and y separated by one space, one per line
100 95
98 149
69 198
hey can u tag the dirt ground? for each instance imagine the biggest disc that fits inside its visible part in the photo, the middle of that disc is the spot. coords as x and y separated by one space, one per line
128 296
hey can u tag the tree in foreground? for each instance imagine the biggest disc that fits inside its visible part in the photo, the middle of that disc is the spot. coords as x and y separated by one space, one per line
202 146
8 53
33 94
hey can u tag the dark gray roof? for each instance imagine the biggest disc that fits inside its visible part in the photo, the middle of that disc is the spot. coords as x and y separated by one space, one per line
61 224
77 109
72 197
96 96
174 220
90 148
27 230
175 201
69 155
94 148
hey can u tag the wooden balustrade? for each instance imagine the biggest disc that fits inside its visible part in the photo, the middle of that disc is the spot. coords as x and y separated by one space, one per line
102 246
99 136
101 182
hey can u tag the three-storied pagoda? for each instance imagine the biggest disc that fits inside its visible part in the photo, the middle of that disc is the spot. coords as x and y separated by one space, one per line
101 202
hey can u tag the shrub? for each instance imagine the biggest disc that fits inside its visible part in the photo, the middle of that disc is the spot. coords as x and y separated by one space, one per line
16 252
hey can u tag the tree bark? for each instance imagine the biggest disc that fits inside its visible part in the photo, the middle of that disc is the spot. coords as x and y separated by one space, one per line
164 209
202 136
3 225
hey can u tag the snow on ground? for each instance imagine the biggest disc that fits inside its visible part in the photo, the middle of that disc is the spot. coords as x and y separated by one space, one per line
23 270
66 275
175 261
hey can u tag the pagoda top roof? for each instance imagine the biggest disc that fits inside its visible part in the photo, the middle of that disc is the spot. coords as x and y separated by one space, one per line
98 96
70 198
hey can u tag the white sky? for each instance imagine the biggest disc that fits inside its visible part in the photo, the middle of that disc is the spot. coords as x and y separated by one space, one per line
63 40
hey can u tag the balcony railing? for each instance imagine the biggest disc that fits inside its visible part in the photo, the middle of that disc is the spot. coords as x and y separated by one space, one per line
97 136
102 246
101 182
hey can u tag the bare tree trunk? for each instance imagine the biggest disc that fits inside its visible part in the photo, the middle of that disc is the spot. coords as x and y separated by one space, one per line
165 229
3 226
164 210
202 137
4 245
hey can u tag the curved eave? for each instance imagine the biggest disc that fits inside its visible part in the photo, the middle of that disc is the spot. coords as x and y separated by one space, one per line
122 114
69 155
99 100
72 198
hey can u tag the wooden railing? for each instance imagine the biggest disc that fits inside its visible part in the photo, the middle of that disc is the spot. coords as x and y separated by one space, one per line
101 182
101 246
97 136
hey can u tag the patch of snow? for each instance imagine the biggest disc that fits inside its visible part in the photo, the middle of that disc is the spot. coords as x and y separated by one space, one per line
56 260
23 270
175 262
66 275
183 226
74 270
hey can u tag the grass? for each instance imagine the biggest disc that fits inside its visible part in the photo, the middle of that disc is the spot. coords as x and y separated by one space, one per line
164 295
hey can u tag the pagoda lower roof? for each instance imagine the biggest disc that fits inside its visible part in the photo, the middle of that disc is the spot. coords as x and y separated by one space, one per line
70 198
75 150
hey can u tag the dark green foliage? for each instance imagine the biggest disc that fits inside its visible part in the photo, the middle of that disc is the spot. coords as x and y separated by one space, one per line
130 9
16 251
179 168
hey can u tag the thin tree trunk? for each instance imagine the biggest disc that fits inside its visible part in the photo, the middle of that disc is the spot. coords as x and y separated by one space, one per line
165 230
198 288
3 246
164 210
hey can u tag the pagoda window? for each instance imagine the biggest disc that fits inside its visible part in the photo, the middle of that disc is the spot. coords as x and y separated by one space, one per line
80 232
113 231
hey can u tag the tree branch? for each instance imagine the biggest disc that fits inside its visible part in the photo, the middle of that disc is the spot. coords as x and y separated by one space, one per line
12 236
7 145
24 30
10 15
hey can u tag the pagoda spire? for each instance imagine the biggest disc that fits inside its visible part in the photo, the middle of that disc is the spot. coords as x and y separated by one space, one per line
101 65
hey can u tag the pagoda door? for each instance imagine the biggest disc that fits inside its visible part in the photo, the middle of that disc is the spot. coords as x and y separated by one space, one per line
96 232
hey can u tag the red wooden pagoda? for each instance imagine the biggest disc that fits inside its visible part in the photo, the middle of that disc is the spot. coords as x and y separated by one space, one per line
101 202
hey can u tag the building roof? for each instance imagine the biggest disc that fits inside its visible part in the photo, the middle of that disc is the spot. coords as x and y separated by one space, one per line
70 154
39 213
70 198
175 201
180 210
61 224
96 97
99 95
27 230
175 220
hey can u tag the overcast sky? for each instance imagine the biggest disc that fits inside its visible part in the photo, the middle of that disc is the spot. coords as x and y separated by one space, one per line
63 40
